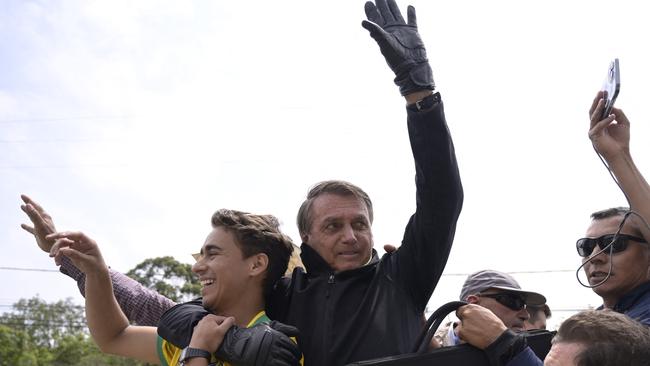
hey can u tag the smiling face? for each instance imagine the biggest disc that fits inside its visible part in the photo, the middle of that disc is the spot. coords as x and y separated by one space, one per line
225 275
629 267
340 231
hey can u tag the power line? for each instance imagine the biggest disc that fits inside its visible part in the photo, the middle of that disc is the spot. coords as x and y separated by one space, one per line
518 272
61 119
29 269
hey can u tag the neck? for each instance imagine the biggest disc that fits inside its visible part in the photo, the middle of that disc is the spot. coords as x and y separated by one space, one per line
244 308
610 301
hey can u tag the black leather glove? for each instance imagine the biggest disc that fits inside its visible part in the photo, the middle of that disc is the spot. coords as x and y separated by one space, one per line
401 45
259 345
263 344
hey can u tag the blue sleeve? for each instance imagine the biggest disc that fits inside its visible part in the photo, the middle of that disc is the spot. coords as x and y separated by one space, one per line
525 358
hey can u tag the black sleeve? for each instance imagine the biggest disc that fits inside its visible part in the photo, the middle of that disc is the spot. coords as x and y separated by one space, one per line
419 262
177 324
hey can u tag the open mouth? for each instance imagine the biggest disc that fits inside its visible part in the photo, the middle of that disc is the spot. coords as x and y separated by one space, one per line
207 282
598 276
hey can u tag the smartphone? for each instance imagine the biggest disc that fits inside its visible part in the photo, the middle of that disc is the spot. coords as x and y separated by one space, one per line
611 87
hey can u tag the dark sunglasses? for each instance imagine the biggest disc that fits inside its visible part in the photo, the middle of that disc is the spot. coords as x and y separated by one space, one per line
586 246
511 301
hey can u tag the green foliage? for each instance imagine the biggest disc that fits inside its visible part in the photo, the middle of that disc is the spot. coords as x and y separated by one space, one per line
168 277
36 333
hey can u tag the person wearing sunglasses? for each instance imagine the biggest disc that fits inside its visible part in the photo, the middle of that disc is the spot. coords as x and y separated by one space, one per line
617 258
498 292
616 263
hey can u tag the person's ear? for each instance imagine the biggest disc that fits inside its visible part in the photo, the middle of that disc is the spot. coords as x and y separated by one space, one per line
304 238
259 263
472 299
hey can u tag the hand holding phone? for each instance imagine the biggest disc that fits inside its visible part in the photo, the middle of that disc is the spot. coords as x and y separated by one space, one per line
611 87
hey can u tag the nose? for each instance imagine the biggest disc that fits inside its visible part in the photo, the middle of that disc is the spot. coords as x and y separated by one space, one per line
349 236
198 266
600 258
523 314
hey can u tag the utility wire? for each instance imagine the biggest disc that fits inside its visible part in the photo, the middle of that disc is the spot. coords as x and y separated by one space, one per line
29 269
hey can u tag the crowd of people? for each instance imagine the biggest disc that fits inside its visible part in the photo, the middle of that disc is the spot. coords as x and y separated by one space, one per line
346 303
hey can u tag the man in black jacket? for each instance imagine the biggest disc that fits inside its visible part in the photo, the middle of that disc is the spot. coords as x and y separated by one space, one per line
351 305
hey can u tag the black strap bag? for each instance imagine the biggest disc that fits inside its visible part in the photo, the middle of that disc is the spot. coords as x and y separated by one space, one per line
463 354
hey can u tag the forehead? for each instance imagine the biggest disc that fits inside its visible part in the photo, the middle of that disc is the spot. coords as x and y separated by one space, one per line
328 206
222 239
610 225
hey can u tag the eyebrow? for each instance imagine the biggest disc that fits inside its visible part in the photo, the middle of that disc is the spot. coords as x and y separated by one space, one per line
210 247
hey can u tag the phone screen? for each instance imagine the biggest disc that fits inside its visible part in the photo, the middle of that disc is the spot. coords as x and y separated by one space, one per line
611 86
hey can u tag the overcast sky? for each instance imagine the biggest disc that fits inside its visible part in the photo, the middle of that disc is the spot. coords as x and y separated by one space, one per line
135 120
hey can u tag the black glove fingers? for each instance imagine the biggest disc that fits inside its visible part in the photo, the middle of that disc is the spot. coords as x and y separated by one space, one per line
373 14
285 357
288 330
376 32
411 16
394 9
385 12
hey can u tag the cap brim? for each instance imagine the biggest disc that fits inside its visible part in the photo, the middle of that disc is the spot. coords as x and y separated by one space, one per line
532 298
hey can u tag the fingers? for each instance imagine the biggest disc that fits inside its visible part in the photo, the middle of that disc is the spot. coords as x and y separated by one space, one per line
597 128
33 213
55 251
226 324
288 330
72 235
598 112
373 14
30 201
389 248
385 11
376 32
621 118
394 10
410 14
27 228
594 103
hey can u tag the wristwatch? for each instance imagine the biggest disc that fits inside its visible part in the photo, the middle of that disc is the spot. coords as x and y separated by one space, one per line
189 352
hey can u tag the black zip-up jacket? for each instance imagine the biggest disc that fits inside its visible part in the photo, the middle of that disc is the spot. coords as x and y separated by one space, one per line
377 310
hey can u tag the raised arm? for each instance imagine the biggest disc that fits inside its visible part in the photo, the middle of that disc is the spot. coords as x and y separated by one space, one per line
610 138
429 234
108 326
141 305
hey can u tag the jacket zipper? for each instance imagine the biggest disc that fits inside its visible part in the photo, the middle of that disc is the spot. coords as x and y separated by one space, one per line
328 321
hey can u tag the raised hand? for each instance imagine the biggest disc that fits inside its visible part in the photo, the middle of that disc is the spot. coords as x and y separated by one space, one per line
610 135
82 251
42 221
401 45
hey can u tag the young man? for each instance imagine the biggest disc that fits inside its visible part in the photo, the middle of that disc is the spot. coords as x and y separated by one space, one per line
242 258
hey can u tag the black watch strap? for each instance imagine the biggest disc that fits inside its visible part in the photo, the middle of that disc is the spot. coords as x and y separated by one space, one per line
189 352
425 103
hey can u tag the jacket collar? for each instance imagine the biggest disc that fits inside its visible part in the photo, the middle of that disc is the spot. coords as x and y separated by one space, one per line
631 298
316 265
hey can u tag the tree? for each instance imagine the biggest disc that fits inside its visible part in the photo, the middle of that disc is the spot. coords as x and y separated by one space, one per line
168 277
36 333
